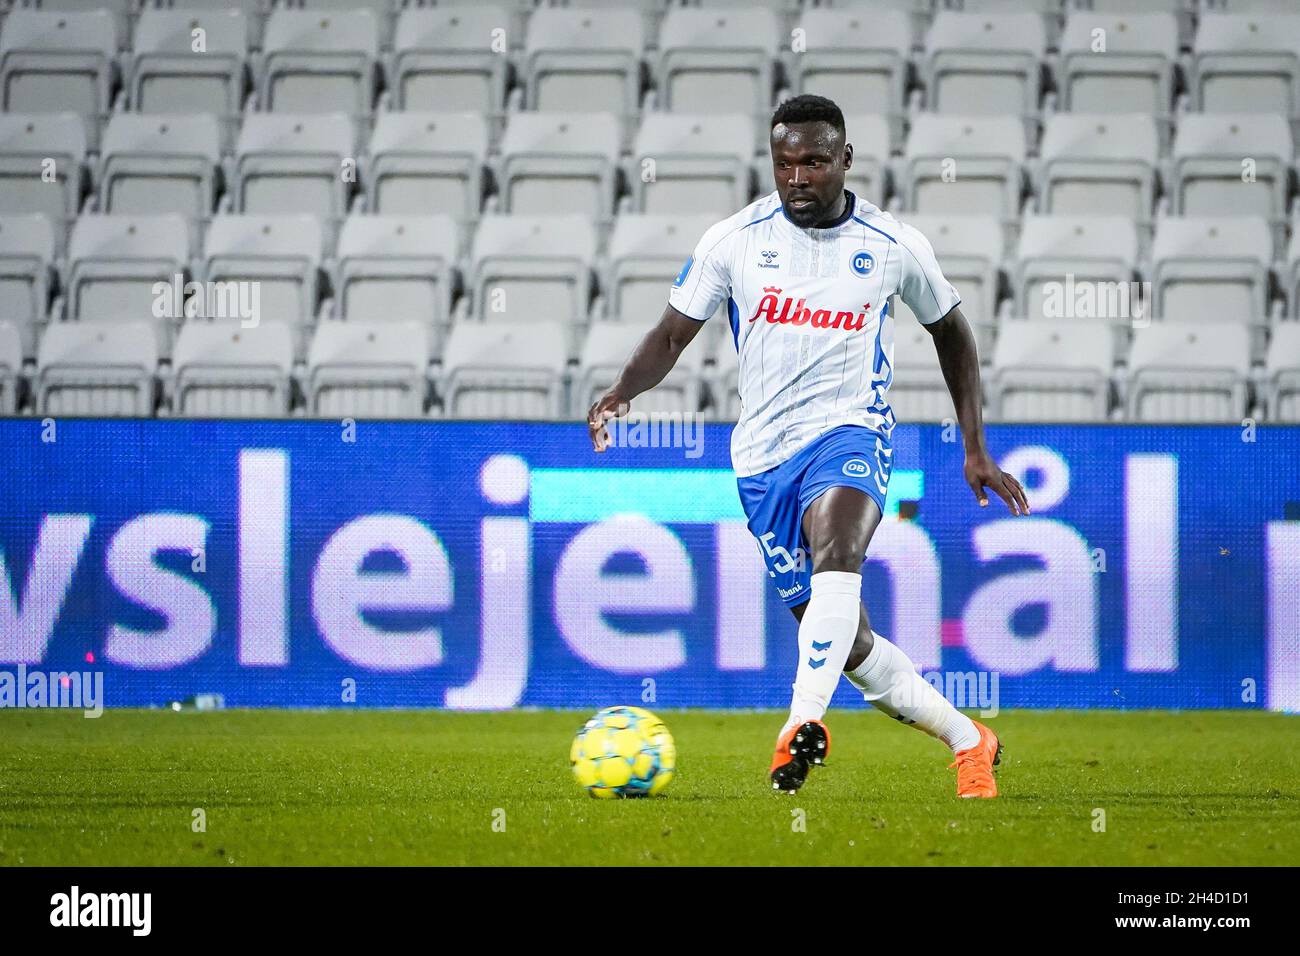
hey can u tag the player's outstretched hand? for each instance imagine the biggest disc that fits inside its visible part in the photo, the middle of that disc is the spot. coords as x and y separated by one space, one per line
609 406
982 471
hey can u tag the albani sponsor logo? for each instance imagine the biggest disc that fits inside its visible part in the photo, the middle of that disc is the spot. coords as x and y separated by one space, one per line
794 312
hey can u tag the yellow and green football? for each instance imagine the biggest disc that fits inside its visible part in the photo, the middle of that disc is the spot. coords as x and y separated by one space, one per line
623 752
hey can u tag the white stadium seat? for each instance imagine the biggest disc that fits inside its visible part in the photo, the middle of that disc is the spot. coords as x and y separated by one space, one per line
1208 171
26 274
319 61
505 370
223 370
984 63
1282 368
1212 269
1051 370
1087 249
1118 62
152 165
1180 373
293 164
168 75
555 163
114 264
717 60
854 56
427 163
918 393
368 369
604 354
969 249
691 163
55 61
1247 62
11 365
1291 270
396 268
34 148
1102 164
532 268
450 58
964 165
645 254
281 254
97 369
583 59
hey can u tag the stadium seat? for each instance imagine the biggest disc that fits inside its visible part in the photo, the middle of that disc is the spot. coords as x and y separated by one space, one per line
582 59
1212 269
722 381
605 352
984 63
384 12
36 152
1099 164
691 163
152 165
1051 370
969 251
869 177
856 57
251 12
1208 172
964 166
26 260
450 58
1247 63
319 61
114 264
294 164
224 371
557 163
645 254
1291 269
532 268
97 369
55 61
427 163
396 268
717 60
166 74
11 365
281 254
1117 62
505 370
1282 371
1057 253
1179 373
368 369
918 393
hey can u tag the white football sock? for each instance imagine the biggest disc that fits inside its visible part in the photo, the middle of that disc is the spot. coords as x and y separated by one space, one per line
889 681
826 634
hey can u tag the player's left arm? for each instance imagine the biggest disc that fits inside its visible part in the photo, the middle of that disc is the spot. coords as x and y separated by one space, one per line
959 359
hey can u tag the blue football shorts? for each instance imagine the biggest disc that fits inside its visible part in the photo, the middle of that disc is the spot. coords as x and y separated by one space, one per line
775 500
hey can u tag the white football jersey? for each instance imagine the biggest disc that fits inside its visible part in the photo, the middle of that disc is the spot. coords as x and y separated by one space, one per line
810 318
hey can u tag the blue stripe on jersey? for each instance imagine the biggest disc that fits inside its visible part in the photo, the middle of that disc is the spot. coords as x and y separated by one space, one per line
764 219
733 313
874 229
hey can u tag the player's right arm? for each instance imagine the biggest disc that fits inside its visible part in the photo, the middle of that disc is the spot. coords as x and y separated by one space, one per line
652 359
698 290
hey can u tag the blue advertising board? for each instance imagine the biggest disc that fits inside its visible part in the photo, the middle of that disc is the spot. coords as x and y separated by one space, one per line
480 565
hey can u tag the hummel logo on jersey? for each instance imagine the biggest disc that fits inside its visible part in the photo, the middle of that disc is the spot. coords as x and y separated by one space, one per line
768 255
797 313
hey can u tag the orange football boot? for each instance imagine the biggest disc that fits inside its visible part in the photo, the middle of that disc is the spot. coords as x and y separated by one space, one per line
797 749
975 765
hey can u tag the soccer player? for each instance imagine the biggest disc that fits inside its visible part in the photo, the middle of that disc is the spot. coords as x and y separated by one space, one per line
808 272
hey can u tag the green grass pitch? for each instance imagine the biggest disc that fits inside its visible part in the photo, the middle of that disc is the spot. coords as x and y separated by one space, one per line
422 787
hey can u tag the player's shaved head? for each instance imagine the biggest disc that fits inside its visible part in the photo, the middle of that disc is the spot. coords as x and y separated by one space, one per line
809 159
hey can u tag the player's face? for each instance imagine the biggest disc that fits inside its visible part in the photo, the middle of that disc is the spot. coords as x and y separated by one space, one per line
809 161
